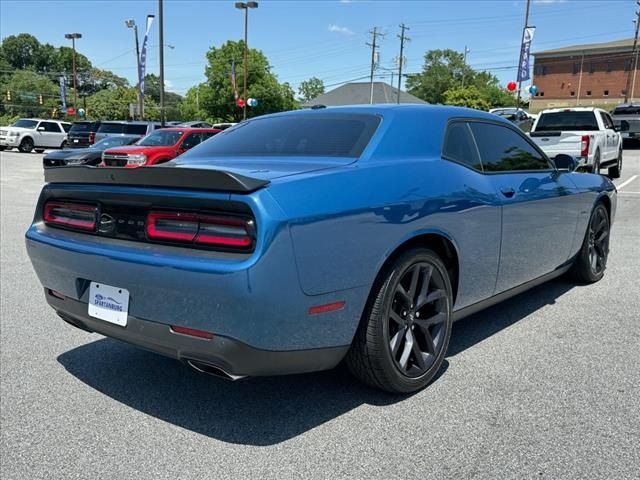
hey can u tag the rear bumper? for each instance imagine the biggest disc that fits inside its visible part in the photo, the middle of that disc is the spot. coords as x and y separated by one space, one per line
232 356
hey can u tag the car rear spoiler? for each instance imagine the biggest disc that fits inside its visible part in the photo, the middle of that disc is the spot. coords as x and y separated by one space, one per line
160 176
555 133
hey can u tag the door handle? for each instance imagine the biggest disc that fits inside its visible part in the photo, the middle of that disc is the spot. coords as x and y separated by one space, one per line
508 192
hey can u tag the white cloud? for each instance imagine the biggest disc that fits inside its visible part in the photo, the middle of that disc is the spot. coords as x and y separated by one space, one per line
168 85
339 29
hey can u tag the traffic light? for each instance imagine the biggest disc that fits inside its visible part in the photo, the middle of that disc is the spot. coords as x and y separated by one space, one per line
40 99
9 95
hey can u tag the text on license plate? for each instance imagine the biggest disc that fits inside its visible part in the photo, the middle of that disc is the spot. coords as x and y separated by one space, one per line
108 303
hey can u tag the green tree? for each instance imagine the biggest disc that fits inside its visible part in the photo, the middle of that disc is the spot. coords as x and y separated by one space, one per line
442 70
262 84
113 104
172 100
466 97
311 88
27 90
21 50
445 70
191 105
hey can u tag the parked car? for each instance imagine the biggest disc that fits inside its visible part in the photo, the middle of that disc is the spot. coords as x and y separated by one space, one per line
585 133
626 119
299 239
29 134
83 133
84 156
517 116
134 130
157 147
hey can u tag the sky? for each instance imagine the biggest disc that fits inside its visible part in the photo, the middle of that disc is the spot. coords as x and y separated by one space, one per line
326 39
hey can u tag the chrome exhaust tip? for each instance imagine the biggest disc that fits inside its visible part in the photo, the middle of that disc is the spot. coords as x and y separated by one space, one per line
214 370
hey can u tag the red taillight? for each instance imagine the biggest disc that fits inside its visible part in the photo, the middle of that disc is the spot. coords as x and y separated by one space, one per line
192 332
584 146
220 231
92 138
71 215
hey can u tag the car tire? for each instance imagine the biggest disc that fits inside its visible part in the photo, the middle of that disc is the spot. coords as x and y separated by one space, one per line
591 262
2 148
26 145
616 170
595 168
394 349
39 150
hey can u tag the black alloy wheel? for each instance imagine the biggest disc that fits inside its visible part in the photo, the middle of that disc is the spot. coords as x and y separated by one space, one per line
26 145
591 261
416 324
404 333
598 241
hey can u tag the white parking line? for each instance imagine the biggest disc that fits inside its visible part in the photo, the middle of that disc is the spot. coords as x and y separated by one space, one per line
623 184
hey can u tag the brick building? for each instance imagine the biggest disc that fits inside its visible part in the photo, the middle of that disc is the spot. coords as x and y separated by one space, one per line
585 75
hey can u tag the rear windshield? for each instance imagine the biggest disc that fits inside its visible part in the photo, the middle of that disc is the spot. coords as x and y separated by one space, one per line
632 110
310 135
160 138
567 121
110 142
111 128
83 127
134 129
25 123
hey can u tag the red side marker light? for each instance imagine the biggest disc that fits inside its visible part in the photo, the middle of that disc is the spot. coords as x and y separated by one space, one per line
192 332
59 295
329 307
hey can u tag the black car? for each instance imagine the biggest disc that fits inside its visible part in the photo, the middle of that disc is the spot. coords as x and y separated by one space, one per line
84 156
83 134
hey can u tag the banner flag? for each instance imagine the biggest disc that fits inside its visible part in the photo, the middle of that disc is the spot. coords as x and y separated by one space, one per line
523 68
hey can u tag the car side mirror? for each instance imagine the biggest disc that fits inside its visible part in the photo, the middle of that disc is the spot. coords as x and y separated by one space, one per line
565 162
40 129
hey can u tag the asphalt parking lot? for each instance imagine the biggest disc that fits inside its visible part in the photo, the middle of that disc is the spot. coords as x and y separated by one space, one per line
545 385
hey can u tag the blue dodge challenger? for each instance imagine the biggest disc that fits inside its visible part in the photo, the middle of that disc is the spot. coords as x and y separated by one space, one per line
293 241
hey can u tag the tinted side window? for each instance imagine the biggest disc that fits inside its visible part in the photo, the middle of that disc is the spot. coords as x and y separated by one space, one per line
503 150
134 129
66 127
608 123
50 127
459 146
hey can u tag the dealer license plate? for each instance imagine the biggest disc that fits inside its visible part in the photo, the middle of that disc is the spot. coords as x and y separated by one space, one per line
108 303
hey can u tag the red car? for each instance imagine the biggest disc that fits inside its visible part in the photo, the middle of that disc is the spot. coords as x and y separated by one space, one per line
158 147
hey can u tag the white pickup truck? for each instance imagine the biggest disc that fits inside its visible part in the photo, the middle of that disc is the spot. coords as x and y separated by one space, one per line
587 134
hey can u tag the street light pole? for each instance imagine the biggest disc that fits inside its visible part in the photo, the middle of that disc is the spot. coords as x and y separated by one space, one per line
72 37
161 27
132 24
245 6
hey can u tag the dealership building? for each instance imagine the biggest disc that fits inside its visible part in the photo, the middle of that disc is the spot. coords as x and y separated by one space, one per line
596 74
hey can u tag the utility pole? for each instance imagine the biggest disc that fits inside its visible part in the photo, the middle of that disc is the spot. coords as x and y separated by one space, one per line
161 27
464 63
403 39
634 55
374 45
524 29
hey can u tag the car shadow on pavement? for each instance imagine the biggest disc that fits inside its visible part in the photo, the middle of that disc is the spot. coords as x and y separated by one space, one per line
261 411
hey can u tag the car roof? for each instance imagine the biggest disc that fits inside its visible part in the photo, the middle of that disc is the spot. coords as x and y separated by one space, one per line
571 109
187 129
401 109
